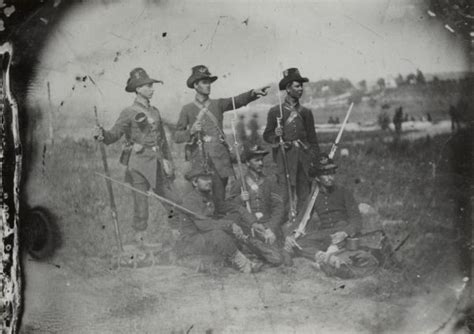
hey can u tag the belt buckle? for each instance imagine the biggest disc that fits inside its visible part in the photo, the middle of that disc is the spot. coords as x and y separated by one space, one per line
154 149
259 215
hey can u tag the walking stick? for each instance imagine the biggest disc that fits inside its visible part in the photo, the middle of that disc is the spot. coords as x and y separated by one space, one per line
113 207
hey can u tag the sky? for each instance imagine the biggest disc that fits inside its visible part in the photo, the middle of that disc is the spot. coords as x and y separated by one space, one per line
247 44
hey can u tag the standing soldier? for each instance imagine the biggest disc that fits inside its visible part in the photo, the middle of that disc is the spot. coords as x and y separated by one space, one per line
397 121
253 127
240 130
294 124
146 154
200 126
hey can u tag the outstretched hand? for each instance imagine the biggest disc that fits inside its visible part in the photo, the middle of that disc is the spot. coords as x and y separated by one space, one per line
263 91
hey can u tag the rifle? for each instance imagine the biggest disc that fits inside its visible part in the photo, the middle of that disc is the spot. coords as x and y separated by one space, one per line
113 207
255 243
152 194
292 213
307 214
339 135
237 154
196 140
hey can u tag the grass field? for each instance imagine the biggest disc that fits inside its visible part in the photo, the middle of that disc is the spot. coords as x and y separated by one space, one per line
410 183
414 187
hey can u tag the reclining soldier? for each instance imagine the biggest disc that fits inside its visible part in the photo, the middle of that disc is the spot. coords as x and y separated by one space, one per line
211 237
263 193
334 217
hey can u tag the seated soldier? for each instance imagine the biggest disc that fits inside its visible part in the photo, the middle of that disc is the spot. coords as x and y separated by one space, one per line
334 217
212 237
267 212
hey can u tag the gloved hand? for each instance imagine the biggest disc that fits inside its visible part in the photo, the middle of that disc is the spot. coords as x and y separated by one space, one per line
269 236
290 242
237 230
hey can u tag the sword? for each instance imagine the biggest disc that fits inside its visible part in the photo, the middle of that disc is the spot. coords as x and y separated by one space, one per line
113 207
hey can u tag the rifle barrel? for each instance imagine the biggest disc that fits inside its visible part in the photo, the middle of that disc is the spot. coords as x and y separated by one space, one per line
152 194
113 207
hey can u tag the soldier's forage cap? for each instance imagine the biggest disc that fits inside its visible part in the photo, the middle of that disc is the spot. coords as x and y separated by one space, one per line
323 165
199 72
138 77
253 151
290 75
197 170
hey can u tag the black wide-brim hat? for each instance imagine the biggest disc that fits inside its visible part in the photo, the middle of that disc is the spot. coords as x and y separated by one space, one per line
139 77
322 165
252 152
197 170
199 72
290 75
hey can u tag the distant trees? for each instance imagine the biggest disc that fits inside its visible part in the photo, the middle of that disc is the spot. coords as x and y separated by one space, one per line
362 85
381 83
420 78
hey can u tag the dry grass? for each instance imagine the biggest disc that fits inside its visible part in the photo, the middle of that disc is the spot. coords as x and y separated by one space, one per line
397 181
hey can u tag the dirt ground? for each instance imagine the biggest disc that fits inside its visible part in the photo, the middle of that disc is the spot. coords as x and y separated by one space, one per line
167 299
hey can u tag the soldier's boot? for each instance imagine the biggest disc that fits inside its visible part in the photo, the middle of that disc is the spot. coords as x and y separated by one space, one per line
244 264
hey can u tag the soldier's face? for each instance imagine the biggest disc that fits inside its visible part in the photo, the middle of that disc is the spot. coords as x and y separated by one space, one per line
146 91
203 183
295 89
326 180
203 86
256 164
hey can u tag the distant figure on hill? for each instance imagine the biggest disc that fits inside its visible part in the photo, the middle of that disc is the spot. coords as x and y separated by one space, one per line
405 117
384 119
428 117
337 121
254 138
453 113
397 120
331 120
240 130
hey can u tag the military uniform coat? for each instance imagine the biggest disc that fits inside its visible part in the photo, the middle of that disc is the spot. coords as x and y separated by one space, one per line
266 202
214 145
210 236
150 134
300 126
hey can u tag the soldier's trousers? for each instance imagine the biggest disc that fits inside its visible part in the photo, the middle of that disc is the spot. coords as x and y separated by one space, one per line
140 202
213 243
302 187
218 190
312 242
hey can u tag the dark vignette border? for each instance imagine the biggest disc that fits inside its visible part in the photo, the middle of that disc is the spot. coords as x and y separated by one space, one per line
27 28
